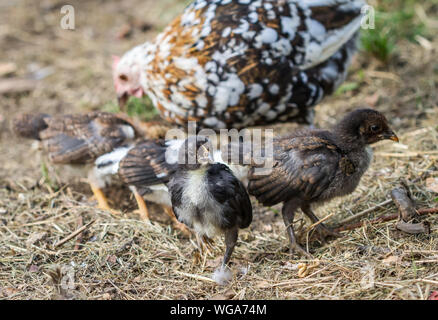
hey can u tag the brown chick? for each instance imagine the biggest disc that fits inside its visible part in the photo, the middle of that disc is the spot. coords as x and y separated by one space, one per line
313 166
79 141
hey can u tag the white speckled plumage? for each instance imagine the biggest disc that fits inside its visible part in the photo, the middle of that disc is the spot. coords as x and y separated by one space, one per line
219 62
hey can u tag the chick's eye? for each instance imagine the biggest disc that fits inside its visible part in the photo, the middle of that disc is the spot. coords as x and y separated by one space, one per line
123 77
374 128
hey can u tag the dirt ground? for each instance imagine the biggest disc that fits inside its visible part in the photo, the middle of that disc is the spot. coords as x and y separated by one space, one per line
120 257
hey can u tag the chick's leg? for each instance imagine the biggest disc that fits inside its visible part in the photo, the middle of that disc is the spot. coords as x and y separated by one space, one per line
322 230
176 224
142 208
205 244
102 202
288 211
230 242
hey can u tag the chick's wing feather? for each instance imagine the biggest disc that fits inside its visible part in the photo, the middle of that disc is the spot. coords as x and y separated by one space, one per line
146 164
303 166
231 193
84 137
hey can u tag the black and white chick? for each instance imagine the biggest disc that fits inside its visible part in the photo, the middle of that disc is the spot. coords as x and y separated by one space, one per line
146 169
314 166
207 197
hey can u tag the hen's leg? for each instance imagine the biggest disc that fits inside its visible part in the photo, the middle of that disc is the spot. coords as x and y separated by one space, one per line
205 244
322 230
288 211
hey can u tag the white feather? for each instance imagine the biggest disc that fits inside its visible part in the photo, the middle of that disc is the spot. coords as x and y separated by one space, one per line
107 166
222 276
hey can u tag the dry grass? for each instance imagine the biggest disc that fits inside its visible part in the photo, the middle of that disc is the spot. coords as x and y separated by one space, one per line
119 257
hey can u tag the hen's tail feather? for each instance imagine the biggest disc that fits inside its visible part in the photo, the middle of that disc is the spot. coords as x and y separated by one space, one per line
30 125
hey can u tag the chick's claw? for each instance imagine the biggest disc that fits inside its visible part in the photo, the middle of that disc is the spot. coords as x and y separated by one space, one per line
325 233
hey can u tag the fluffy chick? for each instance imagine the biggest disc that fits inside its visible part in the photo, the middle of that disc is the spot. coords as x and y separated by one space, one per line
314 166
207 197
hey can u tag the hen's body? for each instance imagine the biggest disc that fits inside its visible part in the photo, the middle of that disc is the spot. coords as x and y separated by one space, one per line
248 62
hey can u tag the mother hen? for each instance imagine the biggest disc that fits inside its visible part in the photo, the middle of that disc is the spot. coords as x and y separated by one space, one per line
238 63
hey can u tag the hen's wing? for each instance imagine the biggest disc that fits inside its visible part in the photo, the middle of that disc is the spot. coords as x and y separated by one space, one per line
303 166
81 138
330 25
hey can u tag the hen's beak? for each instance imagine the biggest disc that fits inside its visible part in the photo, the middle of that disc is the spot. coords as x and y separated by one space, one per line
122 100
391 136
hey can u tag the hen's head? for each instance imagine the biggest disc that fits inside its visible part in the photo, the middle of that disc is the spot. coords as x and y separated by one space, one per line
126 75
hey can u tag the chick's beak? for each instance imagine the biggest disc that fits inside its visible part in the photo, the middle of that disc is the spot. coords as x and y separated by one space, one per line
391 136
204 156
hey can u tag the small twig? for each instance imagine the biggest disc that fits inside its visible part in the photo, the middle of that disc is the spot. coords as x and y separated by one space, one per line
429 281
413 228
427 211
362 223
365 212
404 203
194 276
383 219
320 221
398 155
79 239
74 234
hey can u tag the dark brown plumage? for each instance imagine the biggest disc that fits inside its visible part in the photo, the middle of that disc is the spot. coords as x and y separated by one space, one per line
30 125
313 166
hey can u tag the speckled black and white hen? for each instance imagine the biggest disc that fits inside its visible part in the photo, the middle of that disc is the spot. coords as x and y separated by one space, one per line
238 63
314 166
